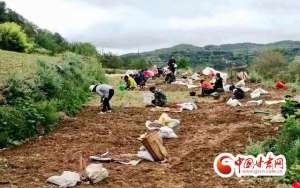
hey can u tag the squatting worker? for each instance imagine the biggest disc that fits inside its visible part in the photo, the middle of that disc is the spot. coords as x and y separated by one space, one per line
160 98
130 82
218 86
106 92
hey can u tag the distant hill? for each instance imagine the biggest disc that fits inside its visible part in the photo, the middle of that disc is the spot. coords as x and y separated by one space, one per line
216 55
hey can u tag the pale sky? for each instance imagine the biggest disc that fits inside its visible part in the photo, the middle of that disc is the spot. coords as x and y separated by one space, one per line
123 26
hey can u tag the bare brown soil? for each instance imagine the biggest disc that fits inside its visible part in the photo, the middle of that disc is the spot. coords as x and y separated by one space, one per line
212 129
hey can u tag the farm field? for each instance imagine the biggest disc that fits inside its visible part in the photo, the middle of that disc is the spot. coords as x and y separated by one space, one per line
212 129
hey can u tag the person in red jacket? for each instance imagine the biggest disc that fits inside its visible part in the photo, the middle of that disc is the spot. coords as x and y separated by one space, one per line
207 88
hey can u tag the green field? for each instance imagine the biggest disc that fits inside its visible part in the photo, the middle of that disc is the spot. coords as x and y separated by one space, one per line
13 62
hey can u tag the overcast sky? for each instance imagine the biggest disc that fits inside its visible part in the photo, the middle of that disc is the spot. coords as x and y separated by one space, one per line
123 26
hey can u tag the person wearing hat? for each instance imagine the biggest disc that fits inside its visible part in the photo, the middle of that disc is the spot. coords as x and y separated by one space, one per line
106 92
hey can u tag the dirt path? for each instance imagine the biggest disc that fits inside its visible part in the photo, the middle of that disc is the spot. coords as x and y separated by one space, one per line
203 134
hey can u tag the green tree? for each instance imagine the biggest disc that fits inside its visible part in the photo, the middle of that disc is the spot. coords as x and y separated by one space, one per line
183 63
138 63
294 70
13 38
86 49
2 12
53 42
270 64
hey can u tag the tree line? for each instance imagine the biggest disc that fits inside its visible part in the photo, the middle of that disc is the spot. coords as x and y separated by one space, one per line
20 35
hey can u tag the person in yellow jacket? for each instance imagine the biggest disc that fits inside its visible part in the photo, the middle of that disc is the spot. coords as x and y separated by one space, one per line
130 82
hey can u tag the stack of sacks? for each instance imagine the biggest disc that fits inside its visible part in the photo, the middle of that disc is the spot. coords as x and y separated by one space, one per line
165 125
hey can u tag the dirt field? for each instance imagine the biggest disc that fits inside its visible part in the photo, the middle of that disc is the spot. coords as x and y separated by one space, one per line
212 129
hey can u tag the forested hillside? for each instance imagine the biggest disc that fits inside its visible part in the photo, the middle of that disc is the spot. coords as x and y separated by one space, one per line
217 55
20 35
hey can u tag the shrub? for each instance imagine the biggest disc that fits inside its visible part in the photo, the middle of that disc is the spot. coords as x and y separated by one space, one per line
13 38
290 108
261 147
255 77
48 80
287 144
270 64
254 149
10 125
111 61
19 87
183 63
138 63
52 42
294 70
86 49
32 103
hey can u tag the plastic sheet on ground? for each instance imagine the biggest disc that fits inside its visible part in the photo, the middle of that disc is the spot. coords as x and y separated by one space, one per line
257 93
277 119
245 89
233 102
165 109
67 179
274 102
131 162
188 106
255 103
96 172
187 83
126 159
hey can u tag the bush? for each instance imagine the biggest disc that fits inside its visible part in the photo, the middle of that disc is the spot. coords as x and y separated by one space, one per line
254 149
138 63
270 64
32 103
86 49
48 82
294 70
13 38
255 77
18 87
183 63
290 108
287 144
111 61
52 42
